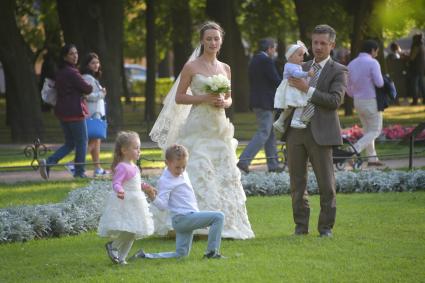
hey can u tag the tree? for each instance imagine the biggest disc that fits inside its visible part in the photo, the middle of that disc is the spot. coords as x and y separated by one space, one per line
181 34
232 51
150 61
97 26
22 96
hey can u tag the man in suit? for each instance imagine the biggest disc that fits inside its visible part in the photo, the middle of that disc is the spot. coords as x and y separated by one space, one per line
264 79
326 91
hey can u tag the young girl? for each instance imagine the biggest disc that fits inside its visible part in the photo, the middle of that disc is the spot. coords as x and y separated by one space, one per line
287 96
126 216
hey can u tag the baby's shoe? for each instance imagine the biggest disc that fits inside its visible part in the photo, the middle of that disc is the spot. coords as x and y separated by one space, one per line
278 125
297 124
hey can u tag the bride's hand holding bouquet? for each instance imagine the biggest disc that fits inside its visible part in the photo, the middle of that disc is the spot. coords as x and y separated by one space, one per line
217 86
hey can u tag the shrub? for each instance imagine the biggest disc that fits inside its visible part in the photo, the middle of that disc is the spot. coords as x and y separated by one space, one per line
83 207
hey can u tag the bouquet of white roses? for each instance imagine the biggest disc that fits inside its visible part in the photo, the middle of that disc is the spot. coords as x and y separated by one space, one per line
217 84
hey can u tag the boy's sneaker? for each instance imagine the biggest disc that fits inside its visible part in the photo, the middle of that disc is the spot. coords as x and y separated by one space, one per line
214 255
70 168
99 172
44 170
298 124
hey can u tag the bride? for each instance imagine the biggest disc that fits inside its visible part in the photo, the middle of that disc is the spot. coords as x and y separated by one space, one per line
198 122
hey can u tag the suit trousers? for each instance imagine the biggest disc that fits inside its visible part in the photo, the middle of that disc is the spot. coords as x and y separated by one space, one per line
184 225
302 147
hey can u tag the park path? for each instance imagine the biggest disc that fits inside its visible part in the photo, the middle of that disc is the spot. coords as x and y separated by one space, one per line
30 175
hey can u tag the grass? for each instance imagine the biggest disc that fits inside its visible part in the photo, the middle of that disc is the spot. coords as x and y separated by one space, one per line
33 193
378 238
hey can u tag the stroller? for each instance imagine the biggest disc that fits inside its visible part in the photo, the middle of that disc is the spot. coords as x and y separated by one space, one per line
343 154
346 153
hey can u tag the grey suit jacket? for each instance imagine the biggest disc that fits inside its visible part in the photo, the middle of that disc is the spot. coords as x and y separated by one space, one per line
328 96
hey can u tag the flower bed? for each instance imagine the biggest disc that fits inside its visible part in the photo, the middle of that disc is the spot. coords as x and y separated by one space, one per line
392 132
81 210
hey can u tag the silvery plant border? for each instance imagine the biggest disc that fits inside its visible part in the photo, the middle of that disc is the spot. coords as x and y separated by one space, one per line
81 210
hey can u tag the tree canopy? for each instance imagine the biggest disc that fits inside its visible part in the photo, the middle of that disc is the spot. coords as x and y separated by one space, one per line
36 29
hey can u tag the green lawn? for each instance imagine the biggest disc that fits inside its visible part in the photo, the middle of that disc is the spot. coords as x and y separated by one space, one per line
377 238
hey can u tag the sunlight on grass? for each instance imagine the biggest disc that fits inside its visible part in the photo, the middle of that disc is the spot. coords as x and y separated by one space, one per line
32 193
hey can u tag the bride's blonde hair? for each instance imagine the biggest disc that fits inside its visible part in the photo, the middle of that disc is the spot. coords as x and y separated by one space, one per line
206 26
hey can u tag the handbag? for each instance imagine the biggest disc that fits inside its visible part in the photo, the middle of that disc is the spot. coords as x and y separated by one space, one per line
48 92
386 94
97 128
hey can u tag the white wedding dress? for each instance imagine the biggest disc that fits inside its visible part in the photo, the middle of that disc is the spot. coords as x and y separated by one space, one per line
208 136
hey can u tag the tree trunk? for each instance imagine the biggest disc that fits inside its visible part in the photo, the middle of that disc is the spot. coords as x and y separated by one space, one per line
303 9
150 61
366 25
181 34
97 26
232 51
22 97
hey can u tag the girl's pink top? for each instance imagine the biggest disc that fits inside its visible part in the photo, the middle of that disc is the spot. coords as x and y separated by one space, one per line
122 173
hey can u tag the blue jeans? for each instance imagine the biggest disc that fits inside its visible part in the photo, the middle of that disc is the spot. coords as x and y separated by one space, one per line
184 226
75 137
264 137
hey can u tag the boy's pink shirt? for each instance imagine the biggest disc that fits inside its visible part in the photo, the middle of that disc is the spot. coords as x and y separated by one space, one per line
122 173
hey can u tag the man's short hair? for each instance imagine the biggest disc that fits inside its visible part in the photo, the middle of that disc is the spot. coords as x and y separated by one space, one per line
265 43
369 45
325 29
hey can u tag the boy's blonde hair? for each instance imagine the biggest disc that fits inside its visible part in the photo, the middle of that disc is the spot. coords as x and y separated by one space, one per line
176 152
123 140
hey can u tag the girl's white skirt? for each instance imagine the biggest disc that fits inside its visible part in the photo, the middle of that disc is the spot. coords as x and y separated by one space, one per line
130 215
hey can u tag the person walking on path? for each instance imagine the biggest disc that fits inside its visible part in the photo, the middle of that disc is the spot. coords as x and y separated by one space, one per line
364 75
91 71
326 90
416 69
264 80
71 110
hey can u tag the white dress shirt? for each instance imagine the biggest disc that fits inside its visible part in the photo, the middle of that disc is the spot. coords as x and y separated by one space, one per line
175 194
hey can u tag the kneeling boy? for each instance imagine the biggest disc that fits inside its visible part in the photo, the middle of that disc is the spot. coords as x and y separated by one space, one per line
176 194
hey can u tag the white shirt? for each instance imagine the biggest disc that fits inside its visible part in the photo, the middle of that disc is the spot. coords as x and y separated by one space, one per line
175 194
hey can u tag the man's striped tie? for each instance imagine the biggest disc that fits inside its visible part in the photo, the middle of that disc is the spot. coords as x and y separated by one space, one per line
309 108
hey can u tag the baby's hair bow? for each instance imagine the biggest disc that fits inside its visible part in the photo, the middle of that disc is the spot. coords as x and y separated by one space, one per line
300 43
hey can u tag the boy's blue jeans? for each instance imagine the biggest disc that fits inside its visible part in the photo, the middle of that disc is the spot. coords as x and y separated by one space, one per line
75 137
184 225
